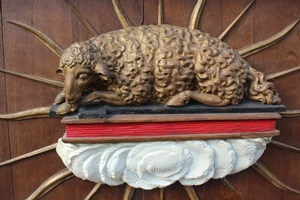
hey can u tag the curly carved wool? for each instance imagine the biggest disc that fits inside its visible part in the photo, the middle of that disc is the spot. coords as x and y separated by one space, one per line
155 63
150 165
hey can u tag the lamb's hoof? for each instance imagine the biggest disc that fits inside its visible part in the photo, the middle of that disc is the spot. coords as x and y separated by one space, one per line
65 108
180 99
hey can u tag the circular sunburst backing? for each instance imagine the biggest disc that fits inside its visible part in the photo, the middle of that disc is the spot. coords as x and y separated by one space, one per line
255 29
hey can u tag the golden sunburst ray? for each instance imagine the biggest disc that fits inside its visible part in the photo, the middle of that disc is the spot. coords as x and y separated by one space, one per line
191 192
290 113
81 18
194 20
284 146
51 183
93 191
234 22
124 20
128 193
45 81
40 112
161 193
282 73
30 154
259 46
228 184
46 40
263 171
27 114
160 15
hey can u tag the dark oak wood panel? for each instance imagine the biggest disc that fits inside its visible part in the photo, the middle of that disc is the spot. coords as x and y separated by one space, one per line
283 55
21 52
6 181
25 54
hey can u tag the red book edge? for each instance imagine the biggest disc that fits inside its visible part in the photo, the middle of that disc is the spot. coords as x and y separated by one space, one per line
147 129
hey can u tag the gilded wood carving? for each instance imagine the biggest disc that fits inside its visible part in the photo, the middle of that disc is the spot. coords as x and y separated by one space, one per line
161 64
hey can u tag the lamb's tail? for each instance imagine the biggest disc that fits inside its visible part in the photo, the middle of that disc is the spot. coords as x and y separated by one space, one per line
259 89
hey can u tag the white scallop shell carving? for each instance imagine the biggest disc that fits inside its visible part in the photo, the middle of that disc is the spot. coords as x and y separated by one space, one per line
151 165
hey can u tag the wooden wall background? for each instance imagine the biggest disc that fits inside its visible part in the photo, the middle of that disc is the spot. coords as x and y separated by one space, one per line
21 52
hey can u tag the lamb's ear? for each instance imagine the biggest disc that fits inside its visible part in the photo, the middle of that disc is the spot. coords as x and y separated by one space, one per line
102 71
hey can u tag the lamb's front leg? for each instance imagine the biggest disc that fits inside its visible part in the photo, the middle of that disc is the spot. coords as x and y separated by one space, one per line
60 97
105 96
184 97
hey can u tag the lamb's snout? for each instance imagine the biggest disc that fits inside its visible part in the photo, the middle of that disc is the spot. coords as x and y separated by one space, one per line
73 106
72 102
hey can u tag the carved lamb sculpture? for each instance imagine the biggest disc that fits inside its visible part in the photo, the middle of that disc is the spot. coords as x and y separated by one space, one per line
162 64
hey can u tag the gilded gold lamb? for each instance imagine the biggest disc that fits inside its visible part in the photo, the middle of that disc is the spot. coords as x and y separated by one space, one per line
160 64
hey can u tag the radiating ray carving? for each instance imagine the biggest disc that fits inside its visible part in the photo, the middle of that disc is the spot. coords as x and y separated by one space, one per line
125 22
82 19
228 184
259 46
160 15
194 20
93 191
161 193
284 146
46 40
282 73
27 114
262 170
234 22
30 154
51 183
191 192
128 193
48 82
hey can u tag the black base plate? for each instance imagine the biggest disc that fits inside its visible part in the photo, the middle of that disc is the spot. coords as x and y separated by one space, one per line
100 110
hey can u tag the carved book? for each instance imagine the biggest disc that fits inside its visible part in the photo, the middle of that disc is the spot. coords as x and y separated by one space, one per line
152 122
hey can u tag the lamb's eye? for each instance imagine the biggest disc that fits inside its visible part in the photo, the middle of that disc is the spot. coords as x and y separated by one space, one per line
83 76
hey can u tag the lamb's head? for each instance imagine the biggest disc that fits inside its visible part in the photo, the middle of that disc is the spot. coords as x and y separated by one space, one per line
81 67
